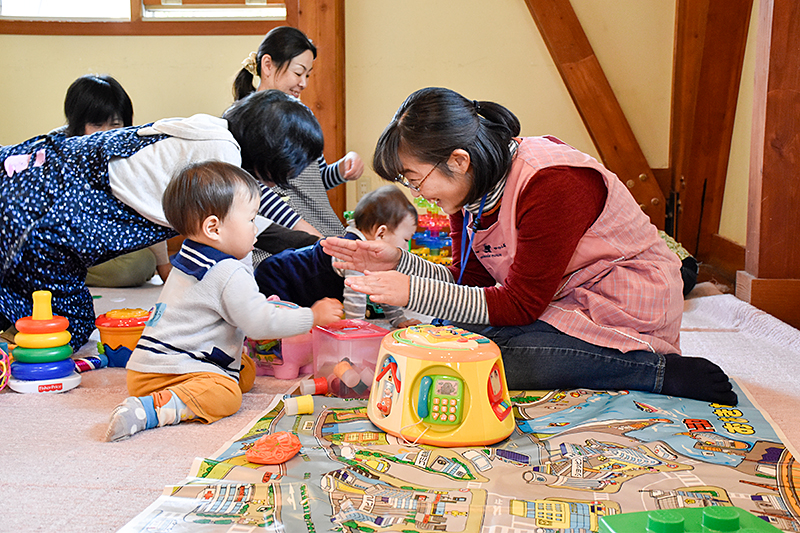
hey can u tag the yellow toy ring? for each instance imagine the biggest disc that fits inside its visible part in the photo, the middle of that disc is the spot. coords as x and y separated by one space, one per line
42 340
34 326
42 355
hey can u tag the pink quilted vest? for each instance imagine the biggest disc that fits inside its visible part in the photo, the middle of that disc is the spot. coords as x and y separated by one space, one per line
622 288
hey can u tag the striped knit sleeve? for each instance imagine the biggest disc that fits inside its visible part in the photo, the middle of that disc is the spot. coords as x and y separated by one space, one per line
276 209
393 314
458 303
433 292
330 174
413 265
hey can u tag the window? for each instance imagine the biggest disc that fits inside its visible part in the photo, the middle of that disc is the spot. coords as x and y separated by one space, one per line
213 10
145 17
86 10
66 9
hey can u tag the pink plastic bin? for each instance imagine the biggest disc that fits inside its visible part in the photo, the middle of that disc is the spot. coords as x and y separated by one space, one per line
355 340
296 358
298 354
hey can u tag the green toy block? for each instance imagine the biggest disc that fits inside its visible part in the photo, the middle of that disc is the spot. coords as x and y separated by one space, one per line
688 520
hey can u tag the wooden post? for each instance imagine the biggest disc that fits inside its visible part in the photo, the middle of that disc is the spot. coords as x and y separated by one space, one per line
771 279
323 22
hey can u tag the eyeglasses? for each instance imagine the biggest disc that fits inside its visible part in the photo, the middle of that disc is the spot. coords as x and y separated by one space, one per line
404 181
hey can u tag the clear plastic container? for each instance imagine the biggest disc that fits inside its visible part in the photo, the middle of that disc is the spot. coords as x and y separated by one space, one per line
344 352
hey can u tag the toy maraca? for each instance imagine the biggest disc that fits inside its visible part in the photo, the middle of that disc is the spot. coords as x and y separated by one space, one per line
42 358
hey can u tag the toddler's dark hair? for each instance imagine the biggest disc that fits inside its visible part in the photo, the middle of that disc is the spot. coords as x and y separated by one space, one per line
203 189
95 99
386 205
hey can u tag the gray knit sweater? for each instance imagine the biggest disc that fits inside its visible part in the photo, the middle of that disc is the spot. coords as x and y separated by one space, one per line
208 304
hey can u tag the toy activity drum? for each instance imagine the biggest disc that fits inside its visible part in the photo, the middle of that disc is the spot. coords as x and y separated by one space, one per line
441 385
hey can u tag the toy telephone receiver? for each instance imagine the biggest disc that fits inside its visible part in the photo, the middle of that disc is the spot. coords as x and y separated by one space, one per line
441 400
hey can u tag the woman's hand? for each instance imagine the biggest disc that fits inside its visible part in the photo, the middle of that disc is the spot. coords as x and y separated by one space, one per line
388 287
362 255
351 166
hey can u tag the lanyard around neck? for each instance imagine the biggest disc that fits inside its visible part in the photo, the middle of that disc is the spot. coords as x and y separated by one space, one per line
465 233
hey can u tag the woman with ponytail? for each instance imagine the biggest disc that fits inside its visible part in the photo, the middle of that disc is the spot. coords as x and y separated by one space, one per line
552 257
284 61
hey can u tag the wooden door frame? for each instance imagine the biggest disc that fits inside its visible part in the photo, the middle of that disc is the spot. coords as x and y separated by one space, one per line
710 42
710 39
323 22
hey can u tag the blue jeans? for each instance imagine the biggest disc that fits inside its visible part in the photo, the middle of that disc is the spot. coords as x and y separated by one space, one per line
540 357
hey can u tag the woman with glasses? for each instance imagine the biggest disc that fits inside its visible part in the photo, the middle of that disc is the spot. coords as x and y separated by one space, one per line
552 257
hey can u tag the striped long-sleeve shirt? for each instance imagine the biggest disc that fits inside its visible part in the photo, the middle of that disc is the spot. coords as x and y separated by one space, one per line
307 195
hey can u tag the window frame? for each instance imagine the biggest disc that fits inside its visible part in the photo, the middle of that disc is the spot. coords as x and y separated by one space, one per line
138 26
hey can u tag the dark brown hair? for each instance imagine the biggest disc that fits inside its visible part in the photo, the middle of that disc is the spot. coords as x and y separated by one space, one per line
203 189
278 135
282 44
433 122
386 205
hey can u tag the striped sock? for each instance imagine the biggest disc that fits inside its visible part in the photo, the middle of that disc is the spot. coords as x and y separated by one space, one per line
170 409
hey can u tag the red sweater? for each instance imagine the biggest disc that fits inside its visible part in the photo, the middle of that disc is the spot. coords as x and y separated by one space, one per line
555 210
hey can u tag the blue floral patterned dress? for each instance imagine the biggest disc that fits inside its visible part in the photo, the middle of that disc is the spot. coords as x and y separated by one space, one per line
58 217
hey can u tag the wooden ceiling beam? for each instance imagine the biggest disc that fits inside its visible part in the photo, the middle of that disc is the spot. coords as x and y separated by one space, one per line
596 103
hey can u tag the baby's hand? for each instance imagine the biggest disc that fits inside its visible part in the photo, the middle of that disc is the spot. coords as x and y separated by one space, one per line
327 311
408 322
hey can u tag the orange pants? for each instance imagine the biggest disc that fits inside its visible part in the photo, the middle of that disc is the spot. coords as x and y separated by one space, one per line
209 395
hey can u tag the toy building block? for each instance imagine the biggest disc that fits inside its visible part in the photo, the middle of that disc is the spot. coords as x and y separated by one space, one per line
687 520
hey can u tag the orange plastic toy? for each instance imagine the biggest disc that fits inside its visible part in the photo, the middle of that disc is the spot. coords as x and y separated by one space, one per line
120 330
274 449
122 327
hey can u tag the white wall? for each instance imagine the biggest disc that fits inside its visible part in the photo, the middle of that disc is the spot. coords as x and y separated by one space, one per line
165 76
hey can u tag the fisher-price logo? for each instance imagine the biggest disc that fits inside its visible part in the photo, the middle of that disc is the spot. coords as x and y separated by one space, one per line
51 387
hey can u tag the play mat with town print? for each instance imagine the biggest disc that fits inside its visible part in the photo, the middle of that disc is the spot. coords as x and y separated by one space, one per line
574 457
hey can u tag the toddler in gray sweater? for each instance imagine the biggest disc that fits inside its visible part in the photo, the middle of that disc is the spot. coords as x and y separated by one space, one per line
189 362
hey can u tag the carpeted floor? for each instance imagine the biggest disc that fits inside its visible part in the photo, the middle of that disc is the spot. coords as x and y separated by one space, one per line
57 474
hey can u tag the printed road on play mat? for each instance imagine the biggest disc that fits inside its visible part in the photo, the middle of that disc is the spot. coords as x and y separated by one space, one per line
574 457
